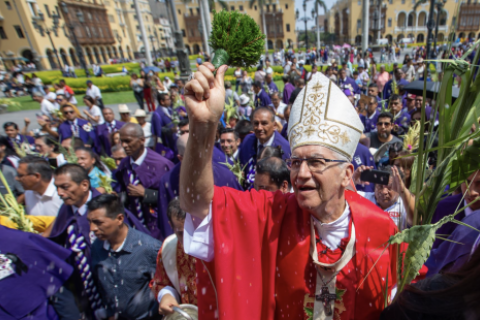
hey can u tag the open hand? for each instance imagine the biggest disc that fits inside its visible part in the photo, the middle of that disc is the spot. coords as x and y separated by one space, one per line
205 94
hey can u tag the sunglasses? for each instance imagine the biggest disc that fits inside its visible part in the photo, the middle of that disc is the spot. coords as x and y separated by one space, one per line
386 124
68 112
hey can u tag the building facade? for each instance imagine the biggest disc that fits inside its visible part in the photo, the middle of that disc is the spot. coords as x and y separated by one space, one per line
279 18
397 19
104 29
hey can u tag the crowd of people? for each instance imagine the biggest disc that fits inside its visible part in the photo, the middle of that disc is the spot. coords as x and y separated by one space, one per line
184 202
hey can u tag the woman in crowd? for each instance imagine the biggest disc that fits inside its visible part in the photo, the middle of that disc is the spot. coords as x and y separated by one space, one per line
8 155
93 113
147 90
246 83
95 168
47 146
137 86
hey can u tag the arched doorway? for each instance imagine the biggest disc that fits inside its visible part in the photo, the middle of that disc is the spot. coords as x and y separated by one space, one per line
73 56
27 54
422 19
188 49
411 36
63 54
196 48
109 54
461 35
129 53
443 18
420 38
290 43
412 19
102 53
121 51
401 20
370 39
279 44
440 37
51 59
114 52
270 44
358 40
471 35
97 56
89 55
400 37
389 37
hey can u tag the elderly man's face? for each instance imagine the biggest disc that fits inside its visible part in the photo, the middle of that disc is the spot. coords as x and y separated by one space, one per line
275 100
132 144
69 191
315 184
263 125
385 195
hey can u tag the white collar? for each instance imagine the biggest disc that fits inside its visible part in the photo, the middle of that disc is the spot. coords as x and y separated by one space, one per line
72 122
373 115
49 192
268 143
332 233
140 159
234 155
113 123
83 209
106 245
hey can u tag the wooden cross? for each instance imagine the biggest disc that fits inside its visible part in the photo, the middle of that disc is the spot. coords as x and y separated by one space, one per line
326 297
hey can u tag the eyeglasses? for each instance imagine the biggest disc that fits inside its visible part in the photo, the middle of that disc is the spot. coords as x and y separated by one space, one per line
314 164
386 124
68 112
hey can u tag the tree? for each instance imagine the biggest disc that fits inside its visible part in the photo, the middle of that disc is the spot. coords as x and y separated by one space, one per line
260 4
321 4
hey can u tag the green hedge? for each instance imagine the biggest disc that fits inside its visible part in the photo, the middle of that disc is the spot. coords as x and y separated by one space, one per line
105 84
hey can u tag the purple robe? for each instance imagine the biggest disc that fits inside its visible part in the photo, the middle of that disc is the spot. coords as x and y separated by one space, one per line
449 256
370 123
287 92
284 132
447 207
403 120
349 84
272 87
161 120
103 137
262 99
170 186
388 90
26 295
149 174
363 156
248 148
23 138
88 137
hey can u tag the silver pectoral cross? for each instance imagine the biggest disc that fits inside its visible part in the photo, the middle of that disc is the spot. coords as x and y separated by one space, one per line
326 297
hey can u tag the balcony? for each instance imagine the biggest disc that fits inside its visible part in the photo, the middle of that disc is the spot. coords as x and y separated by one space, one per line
193 28
469 17
418 29
274 23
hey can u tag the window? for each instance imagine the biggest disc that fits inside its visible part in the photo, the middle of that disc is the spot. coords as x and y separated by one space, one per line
19 32
359 2
58 12
359 23
9 6
268 8
274 7
389 22
403 1
3 35
179 12
47 10
232 8
146 18
107 3
111 18
198 11
255 7
183 33
135 17
288 27
138 27
390 1
286 6
191 11
240 8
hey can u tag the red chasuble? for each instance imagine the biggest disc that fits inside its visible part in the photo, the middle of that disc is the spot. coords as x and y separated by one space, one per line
262 267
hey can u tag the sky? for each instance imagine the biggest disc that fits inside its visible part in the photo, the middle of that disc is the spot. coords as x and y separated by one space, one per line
310 6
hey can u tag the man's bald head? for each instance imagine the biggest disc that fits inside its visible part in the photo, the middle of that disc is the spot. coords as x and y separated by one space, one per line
132 139
132 129
182 145
108 115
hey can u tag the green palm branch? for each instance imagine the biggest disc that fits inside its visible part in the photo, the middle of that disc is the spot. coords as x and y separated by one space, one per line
236 169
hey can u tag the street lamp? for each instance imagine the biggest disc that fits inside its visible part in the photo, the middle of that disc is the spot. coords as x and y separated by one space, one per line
440 5
305 19
78 48
39 24
153 46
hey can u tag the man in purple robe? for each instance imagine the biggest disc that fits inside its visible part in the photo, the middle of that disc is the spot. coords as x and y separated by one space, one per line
71 229
287 89
139 176
261 97
271 86
401 117
400 81
371 118
105 130
345 82
163 126
363 157
39 271
74 127
170 182
13 134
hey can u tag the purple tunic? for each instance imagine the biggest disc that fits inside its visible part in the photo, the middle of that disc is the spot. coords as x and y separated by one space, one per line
262 99
387 89
103 137
287 92
272 87
363 156
88 137
22 139
170 186
149 174
350 84
370 123
26 295
161 120
248 148
447 207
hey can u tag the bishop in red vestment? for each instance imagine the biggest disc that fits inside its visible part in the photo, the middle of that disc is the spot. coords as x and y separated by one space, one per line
317 253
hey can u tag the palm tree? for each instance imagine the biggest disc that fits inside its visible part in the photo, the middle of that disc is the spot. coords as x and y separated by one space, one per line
261 3
319 3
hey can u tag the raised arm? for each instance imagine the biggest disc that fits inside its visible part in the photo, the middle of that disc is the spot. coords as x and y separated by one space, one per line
204 100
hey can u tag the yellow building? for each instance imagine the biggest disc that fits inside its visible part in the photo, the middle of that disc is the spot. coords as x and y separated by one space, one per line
279 18
104 29
396 19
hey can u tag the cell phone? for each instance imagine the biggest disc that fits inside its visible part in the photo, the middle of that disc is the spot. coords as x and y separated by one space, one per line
375 176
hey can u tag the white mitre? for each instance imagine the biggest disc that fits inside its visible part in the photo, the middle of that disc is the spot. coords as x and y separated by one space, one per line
322 115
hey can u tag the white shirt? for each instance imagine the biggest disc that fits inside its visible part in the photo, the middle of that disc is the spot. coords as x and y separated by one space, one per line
147 131
52 96
396 211
280 110
140 159
94 92
46 204
96 112
199 241
46 107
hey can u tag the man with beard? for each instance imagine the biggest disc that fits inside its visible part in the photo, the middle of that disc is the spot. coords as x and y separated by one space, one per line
383 134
